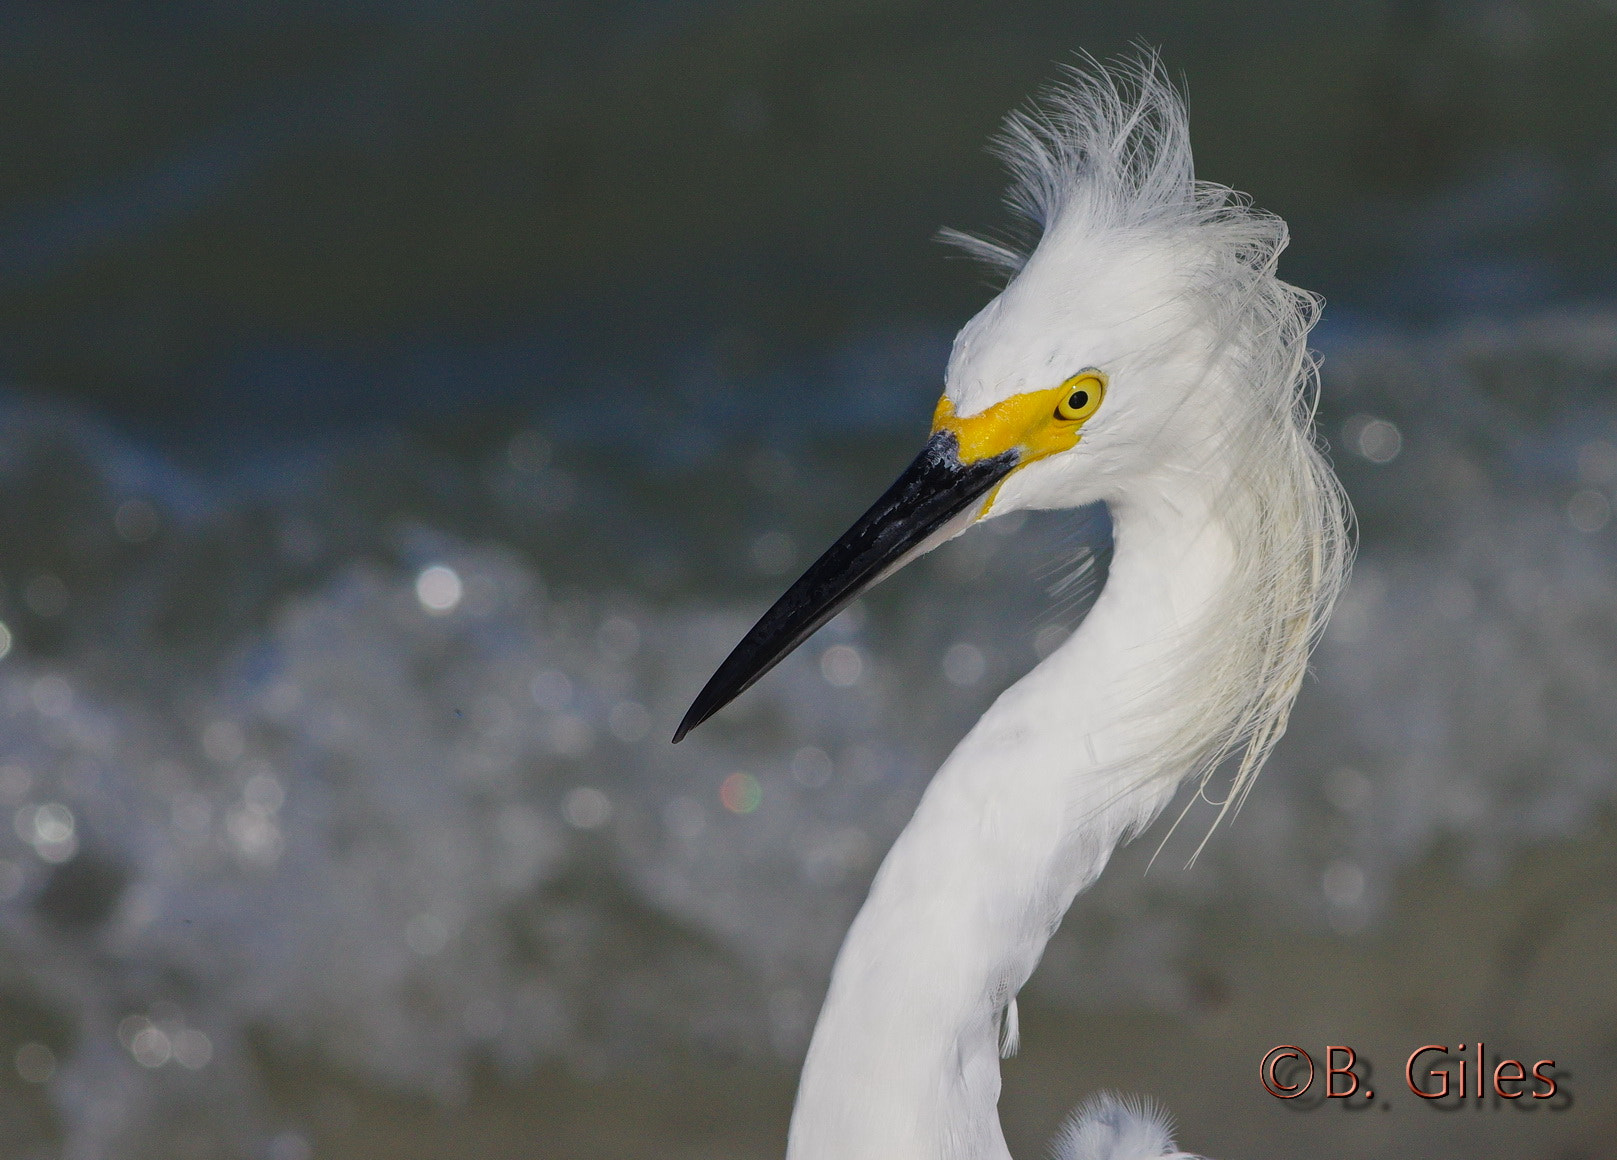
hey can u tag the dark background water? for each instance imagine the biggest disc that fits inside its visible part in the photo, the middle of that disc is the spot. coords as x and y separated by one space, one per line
309 216
406 405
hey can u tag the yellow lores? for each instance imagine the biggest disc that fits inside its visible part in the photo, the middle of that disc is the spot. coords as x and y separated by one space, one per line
1035 424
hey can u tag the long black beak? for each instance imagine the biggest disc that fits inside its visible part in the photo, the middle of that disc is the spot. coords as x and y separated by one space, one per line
901 525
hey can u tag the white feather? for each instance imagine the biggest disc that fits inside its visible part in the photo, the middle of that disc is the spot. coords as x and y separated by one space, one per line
1108 1126
1102 166
1010 1031
1230 545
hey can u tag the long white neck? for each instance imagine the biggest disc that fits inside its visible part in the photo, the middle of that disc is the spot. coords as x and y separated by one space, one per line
904 1063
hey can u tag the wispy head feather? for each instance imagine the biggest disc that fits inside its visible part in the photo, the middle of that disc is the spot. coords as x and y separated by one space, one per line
1112 144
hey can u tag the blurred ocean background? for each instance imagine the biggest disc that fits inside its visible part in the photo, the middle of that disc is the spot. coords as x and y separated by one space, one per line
407 404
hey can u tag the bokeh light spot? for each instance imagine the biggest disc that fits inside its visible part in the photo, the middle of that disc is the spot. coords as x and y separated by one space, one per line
53 823
567 735
1343 884
49 829
151 1047
439 589
629 721
812 767
46 595
11 880
1377 440
264 792
52 696
1588 510
290 1146
740 793
587 808
773 553
842 666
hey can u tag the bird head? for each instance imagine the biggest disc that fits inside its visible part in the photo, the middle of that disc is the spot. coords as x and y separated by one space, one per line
1087 372
1059 392
1105 359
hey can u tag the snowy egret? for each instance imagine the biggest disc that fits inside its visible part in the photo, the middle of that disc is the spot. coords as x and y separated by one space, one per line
1144 354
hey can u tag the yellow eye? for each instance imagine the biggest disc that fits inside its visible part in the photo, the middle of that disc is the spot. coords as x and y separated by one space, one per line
1081 396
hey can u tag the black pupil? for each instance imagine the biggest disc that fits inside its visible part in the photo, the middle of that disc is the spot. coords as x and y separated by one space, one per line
1079 400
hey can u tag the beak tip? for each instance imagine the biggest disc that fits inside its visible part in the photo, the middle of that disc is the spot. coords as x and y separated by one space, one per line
691 720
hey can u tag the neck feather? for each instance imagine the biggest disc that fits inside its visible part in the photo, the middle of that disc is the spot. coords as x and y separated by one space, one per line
904 1064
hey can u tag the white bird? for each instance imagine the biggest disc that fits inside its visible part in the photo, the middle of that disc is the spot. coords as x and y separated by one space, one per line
1145 354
